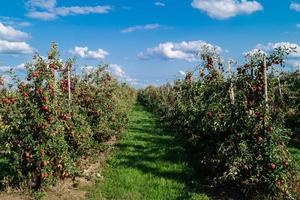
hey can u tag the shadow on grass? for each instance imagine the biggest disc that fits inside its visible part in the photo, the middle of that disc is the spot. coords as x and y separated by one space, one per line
4 170
295 142
154 151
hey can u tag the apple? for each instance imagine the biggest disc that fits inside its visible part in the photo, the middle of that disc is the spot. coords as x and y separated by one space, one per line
202 74
258 115
5 100
39 90
45 98
45 175
270 128
273 166
45 108
64 117
12 100
35 74
45 163
259 138
277 61
51 118
22 86
210 115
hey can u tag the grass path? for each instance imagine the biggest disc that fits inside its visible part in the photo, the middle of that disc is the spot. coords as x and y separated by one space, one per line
148 164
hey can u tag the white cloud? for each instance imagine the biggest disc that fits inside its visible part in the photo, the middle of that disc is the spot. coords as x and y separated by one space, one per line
293 58
76 10
223 9
7 47
12 41
42 15
287 45
295 6
119 73
88 69
144 27
182 73
187 51
5 68
255 52
13 21
116 70
161 4
23 24
295 63
45 4
47 10
20 67
84 52
7 78
10 34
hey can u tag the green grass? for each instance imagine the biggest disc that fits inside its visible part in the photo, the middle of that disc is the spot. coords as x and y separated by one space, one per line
148 164
296 153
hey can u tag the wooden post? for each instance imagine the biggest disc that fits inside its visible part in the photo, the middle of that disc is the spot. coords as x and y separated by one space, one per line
265 80
231 90
54 86
279 86
69 85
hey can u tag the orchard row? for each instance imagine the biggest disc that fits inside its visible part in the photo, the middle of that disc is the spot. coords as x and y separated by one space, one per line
234 124
52 119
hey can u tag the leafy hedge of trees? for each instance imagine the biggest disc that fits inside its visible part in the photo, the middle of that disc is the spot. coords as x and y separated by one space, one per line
52 119
234 124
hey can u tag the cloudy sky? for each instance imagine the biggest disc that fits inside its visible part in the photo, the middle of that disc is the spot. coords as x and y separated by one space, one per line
145 41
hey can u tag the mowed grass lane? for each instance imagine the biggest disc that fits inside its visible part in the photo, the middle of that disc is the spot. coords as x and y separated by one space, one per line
148 164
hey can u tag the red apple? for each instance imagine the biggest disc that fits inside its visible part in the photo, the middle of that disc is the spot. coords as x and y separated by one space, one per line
25 94
270 128
45 108
210 115
5 100
273 166
35 74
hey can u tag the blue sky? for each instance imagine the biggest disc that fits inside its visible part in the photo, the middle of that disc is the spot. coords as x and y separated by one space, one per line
148 41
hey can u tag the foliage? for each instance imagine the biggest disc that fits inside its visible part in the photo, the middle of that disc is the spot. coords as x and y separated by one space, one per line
228 123
43 132
291 81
